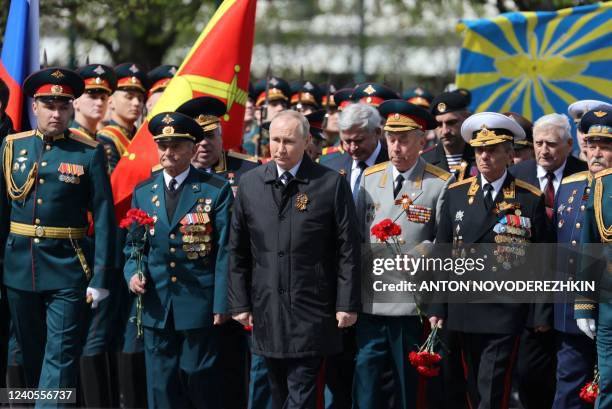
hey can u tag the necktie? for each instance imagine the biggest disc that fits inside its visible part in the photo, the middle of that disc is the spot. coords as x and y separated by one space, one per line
361 166
399 182
488 197
286 177
172 185
549 194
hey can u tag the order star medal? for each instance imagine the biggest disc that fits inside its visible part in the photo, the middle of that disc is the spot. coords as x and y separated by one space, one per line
301 200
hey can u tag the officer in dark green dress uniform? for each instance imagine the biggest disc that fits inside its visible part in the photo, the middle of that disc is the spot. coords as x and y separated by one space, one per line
184 289
127 104
210 157
90 108
51 179
593 312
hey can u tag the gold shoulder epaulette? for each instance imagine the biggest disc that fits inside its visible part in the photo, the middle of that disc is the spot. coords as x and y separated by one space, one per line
20 135
242 156
436 171
603 173
461 182
576 177
528 186
83 139
376 168
156 168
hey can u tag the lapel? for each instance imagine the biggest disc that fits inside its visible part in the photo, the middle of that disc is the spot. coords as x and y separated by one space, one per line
348 166
301 177
188 197
270 177
488 219
413 187
158 196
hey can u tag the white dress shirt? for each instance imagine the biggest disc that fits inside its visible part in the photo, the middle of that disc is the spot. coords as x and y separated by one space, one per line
497 184
180 178
371 161
544 181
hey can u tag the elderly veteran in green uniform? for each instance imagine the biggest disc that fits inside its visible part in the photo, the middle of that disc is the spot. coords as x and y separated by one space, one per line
185 266
412 191
90 107
51 179
127 105
594 313
477 210
576 111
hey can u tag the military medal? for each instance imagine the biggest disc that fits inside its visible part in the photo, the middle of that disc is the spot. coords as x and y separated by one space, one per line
404 201
301 200
70 173
459 216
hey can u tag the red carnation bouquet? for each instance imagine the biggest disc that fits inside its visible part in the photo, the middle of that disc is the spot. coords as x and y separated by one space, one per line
139 225
425 360
386 230
589 392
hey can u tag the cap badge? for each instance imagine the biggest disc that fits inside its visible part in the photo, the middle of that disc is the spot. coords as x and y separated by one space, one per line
134 68
167 119
308 85
98 80
419 91
396 116
369 100
99 70
369 89
134 80
57 89
600 114
57 74
273 81
168 130
172 70
441 107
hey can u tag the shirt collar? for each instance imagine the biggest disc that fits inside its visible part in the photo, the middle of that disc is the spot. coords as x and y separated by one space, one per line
497 184
371 161
558 172
180 178
293 170
406 174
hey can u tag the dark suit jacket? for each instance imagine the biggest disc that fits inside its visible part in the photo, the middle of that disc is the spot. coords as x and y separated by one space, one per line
344 163
295 259
527 170
475 225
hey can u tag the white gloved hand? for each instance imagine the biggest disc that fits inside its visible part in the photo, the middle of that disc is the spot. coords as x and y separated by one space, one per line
588 326
95 295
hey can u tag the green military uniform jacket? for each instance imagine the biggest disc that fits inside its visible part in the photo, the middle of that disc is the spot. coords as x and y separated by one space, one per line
185 261
59 182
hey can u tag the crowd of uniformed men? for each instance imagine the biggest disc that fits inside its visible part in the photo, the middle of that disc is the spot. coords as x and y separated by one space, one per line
280 251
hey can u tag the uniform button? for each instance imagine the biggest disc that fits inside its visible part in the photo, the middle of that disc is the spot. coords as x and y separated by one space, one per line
173 279
39 200
36 240
582 208
571 261
577 225
281 254
172 250
36 221
172 264
588 190
574 242
172 236
48 147
41 181
43 163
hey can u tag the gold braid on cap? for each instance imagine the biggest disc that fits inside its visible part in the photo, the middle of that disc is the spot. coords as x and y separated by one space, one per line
604 231
15 192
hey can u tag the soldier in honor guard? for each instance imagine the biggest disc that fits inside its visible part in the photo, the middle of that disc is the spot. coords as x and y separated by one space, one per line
593 312
576 354
91 106
328 103
51 179
372 94
272 97
412 191
342 99
418 96
127 104
159 78
185 263
317 138
451 153
306 98
477 210
210 157
575 111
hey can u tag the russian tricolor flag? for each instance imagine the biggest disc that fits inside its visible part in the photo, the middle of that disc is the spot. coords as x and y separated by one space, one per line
20 55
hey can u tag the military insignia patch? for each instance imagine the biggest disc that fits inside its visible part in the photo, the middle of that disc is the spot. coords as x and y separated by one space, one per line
301 200
459 216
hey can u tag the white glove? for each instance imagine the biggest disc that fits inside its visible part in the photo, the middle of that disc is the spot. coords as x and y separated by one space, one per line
95 295
588 326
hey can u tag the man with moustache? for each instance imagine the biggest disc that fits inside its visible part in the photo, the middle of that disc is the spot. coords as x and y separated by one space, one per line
90 108
411 191
294 262
126 104
451 153
184 290
575 111
51 179
576 355
593 312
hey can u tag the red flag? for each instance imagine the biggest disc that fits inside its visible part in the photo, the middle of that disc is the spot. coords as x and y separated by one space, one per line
217 65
